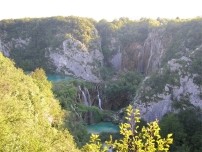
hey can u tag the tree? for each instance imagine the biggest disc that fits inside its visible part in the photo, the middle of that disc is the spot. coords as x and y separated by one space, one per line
30 118
146 139
171 123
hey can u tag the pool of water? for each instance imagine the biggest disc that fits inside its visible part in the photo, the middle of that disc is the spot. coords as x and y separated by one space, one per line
103 127
57 77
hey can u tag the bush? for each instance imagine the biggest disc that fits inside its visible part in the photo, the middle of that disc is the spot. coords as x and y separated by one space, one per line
147 140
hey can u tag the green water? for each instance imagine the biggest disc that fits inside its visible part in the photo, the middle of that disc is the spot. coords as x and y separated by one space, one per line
57 77
103 127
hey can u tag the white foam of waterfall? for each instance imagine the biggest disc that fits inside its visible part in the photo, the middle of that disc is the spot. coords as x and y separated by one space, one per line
84 97
99 100
88 96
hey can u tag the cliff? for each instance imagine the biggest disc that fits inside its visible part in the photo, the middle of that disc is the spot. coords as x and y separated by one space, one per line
69 46
166 52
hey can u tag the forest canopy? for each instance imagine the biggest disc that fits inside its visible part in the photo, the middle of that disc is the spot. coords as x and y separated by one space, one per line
30 118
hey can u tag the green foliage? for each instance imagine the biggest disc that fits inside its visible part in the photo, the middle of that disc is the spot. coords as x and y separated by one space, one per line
121 91
148 139
30 118
66 93
133 32
186 129
171 123
156 83
186 36
107 31
196 66
32 38
77 128
107 73
122 33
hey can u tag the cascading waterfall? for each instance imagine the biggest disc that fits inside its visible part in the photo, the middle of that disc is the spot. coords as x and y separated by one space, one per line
88 96
84 97
90 114
87 102
99 100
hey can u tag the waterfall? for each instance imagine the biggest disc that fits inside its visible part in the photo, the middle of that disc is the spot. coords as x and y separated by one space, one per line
87 116
99 100
84 97
88 96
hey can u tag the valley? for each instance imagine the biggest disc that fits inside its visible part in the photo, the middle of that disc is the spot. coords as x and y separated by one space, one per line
100 68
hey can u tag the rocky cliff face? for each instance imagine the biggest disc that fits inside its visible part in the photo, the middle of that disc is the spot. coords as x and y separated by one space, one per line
181 92
77 46
116 56
145 56
74 58
68 45
166 58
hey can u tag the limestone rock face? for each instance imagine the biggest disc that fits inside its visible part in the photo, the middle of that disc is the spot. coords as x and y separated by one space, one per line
117 60
20 43
146 57
76 59
186 93
15 43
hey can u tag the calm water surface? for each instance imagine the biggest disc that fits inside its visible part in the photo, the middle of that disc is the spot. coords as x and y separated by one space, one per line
57 77
103 127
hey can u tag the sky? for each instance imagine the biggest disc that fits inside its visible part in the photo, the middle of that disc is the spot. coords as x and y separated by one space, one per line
101 9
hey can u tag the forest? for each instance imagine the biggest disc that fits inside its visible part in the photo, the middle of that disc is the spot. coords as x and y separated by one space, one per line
145 62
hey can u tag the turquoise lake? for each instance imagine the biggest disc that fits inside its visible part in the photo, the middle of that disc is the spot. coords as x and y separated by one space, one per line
57 77
103 127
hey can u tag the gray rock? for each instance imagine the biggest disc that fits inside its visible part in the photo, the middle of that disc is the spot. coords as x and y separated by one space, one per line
171 93
75 58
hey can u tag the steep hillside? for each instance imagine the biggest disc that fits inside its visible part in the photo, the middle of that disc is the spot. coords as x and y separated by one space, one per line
31 119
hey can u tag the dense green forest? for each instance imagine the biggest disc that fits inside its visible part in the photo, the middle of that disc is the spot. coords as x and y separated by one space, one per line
29 39
29 42
41 34
30 112
185 125
31 118
37 115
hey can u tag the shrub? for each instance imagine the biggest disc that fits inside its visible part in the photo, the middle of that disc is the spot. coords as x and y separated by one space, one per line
147 140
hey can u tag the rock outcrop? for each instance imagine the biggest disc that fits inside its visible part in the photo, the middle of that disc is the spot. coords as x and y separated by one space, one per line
74 58
146 57
185 93
64 45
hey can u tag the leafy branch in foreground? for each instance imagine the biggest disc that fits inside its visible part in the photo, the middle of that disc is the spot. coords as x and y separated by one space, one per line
134 139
